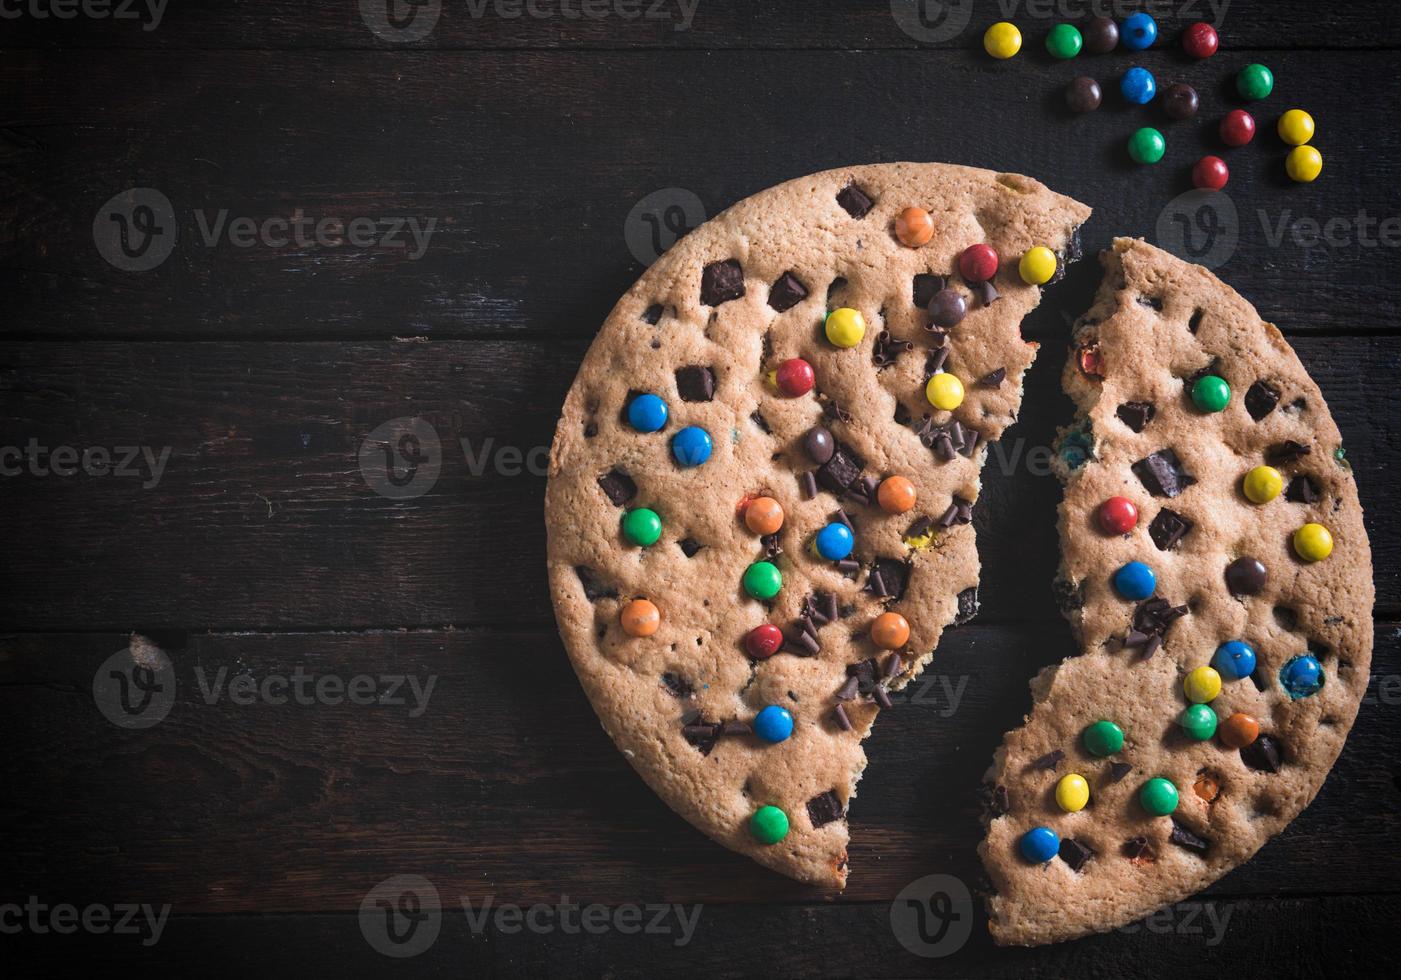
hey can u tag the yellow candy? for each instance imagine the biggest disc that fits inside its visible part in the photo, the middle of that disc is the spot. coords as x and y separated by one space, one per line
1038 265
1072 792
845 327
1002 40
1263 484
1313 542
1303 164
1201 685
944 391
1296 127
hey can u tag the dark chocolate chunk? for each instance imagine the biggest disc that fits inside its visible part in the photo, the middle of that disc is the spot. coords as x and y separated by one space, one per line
865 673
1261 400
721 282
967 605
894 573
1262 755
1184 838
825 808
839 472
594 587
689 547
1136 848
1048 761
850 689
1118 770
1286 452
1069 596
1162 474
618 487
760 421
1001 804
736 727
920 527
993 379
854 201
787 293
1246 576
808 484
652 314
882 696
985 291
934 362
887 349
833 411
894 666
1075 854
695 383
1168 528
842 720
1135 414
677 685
849 567
839 517
1302 490
769 542
925 286
702 734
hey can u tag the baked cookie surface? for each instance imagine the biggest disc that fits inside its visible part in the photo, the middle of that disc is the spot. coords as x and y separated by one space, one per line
758 513
1217 575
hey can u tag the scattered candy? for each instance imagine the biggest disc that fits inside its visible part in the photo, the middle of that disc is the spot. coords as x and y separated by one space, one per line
764 515
1255 82
769 825
1064 41
1211 393
762 580
1234 660
1200 40
1246 576
642 526
1072 792
978 263
890 631
914 227
944 391
1210 174
1313 542
948 308
1140 31
1237 128
1135 581
640 618
819 444
1118 515
794 377
896 495
1262 484
1147 145
647 413
1303 164
1207 788
1238 731
773 724
1302 676
1202 684
691 446
845 327
1296 127
1101 35
763 641
1038 266
1083 94
1138 86
1040 844
1002 40
1158 796
1198 721
1102 738
834 542
1180 101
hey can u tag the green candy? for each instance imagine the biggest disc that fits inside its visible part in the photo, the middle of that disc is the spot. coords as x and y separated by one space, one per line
1102 738
1158 796
769 825
1255 82
1211 394
1064 41
642 526
762 580
1147 145
1198 721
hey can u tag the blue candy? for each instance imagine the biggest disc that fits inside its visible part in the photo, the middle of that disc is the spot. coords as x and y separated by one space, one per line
773 724
1302 676
835 541
1040 844
1138 32
1234 660
1138 86
647 413
1135 581
691 446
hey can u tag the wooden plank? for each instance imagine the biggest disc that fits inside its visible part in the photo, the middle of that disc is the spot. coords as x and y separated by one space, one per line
526 241
504 783
263 518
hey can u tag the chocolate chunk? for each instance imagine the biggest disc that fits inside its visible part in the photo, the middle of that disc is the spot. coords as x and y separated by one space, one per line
854 201
689 547
1069 596
882 696
1048 761
887 349
787 293
894 667
1136 848
677 685
849 567
1286 452
842 720
1118 770
1168 528
702 734
1302 490
808 484
1162 474
1135 414
833 411
736 727
760 421
721 282
985 291
769 542
934 362
1184 838
1246 576
1001 804
1262 755
993 379
1261 400
594 587
839 472
864 671
652 314
839 517
849 690
695 383
618 487
894 573
925 286
876 584
920 527
1075 854
967 605
825 808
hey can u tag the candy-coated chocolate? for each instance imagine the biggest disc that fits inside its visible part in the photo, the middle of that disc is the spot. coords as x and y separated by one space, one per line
1147 145
1083 94
1302 676
1102 738
1211 393
691 446
948 308
794 377
763 641
1064 41
1101 35
1210 173
978 263
914 227
845 327
1246 576
1202 684
819 444
773 724
1135 581
647 413
944 391
1199 40
1238 731
640 617
896 495
1262 484
1039 844
1180 101
762 580
1237 128
1303 164
890 631
1138 86
1118 515
1002 40
768 825
1139 31
764 515
1313 542
1072 792
1255 82
1296 127
1037 266
835 541
1207 788
1234 660
1158 796
1198 721
642 526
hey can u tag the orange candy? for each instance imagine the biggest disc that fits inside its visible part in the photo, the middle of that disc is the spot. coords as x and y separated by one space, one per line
914 227
641 618
896 495
764 515
890 631
1207 788
1238 731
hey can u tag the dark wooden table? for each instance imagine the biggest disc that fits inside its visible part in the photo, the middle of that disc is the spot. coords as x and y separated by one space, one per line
245 545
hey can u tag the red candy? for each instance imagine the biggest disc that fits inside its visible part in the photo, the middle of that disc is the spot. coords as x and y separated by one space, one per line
794 377
1238 128
763 641
1200 40
977 263
1210 174
1118 515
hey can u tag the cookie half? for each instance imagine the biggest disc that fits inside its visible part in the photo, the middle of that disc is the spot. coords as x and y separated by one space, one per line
1218 578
